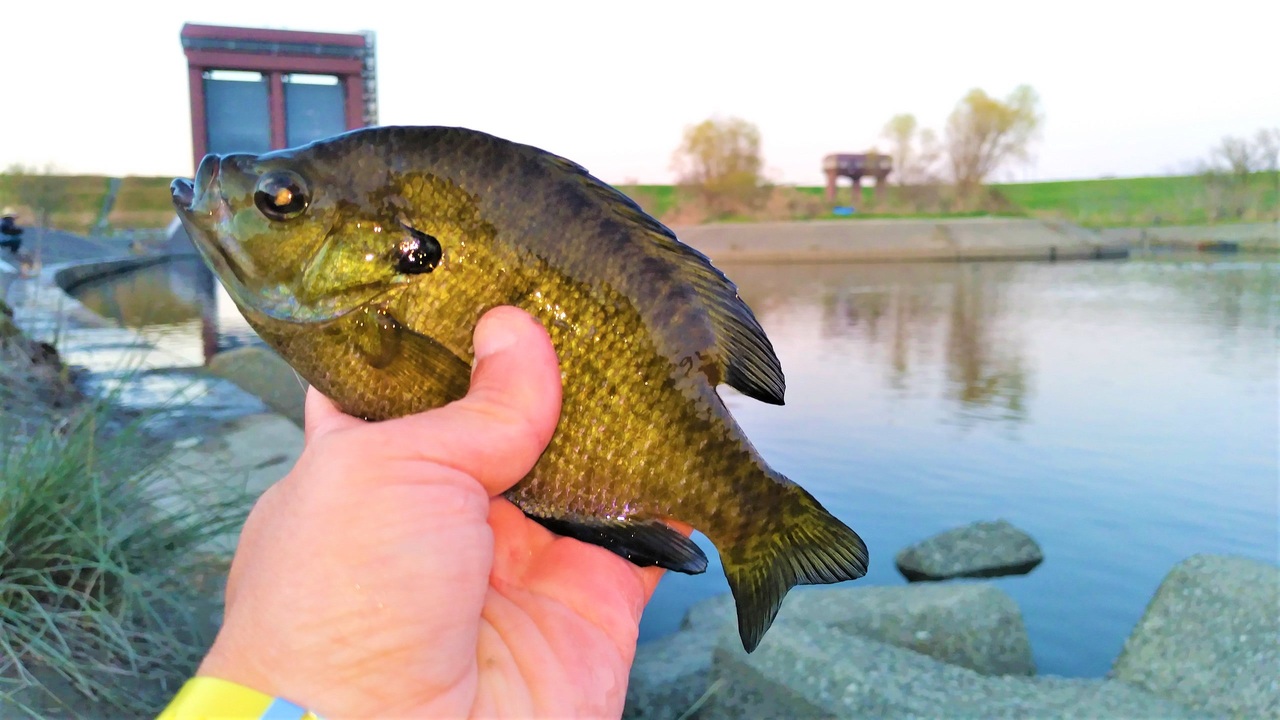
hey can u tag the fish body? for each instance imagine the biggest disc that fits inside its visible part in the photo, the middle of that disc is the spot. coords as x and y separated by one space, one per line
367 259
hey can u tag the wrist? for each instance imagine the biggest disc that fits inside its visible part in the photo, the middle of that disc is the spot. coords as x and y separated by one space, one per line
295 676
219 665
204 697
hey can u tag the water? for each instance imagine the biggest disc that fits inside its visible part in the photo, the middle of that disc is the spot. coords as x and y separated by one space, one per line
177 306
1125 414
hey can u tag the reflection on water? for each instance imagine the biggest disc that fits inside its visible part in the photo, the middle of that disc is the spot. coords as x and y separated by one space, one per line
912 318
177 305
1125 414
165 294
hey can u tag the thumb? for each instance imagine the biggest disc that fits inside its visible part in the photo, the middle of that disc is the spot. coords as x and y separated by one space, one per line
498 431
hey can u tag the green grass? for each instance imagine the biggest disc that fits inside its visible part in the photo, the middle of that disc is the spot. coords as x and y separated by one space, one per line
82 205
661 201
105 561
1113 202
143 202
1142 201
657 200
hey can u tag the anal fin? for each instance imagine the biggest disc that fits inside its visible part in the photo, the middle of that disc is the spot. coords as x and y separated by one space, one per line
643 542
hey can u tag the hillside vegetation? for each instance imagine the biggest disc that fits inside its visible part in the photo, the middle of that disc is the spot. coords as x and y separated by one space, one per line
143 202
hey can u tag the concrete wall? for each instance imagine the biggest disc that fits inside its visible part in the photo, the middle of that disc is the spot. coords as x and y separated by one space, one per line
1250 236
69 277
896 240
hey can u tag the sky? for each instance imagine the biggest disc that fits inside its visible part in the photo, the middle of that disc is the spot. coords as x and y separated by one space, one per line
1127 88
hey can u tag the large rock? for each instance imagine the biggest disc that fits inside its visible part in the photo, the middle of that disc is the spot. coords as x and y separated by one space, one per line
265 374
250 452
239 458
669 675
977 626
805 670
808 670
982 549
1210 638
32 373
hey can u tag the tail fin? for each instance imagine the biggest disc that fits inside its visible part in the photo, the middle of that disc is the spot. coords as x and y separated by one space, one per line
804 545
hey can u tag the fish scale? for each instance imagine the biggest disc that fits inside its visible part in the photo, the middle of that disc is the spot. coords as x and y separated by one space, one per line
644 328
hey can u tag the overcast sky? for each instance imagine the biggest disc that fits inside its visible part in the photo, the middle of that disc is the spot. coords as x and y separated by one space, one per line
1127 88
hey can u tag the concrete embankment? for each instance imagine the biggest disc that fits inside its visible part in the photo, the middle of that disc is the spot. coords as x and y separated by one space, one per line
69 276
1244 237
966 239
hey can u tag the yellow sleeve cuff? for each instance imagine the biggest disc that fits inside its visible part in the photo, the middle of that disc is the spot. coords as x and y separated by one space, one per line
206 698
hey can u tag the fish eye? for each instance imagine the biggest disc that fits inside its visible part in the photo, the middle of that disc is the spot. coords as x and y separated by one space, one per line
281 195
418 252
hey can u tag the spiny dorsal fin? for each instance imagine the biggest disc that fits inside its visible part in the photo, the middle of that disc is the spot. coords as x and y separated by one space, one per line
740 351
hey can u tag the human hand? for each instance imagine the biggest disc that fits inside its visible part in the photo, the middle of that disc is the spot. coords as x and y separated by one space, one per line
384 576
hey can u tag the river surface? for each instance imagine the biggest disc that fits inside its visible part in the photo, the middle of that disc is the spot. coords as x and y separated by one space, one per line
1123 413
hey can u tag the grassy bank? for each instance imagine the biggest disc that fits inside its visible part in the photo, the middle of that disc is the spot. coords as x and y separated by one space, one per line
143 202
108 553
81 200
1147 201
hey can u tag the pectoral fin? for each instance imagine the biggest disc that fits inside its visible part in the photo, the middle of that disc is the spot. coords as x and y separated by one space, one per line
394 350
643 542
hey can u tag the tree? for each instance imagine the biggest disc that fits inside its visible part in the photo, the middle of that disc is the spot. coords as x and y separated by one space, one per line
914 150
1237 171
984 133
1237 157
900 131
720 159
927 155
1267 142
1242 157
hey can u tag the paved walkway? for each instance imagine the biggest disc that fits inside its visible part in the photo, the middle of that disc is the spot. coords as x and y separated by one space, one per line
63 247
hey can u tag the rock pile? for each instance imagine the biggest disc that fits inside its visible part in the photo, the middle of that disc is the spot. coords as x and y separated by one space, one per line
981 549
1211 638
1208 645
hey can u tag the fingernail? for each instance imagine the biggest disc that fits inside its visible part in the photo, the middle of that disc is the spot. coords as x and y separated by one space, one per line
495 333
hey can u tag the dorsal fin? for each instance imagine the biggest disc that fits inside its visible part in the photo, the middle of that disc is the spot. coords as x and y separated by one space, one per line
739 352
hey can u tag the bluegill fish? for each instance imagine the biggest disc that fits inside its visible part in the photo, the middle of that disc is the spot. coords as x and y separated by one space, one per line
366 260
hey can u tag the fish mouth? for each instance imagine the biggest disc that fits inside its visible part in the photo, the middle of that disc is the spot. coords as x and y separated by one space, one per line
183 192
202 207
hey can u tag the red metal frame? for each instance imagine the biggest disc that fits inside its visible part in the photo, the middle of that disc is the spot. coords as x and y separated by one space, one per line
285 51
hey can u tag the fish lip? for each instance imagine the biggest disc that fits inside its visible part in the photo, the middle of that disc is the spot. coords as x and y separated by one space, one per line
183 192
206 181
208 200
203 196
